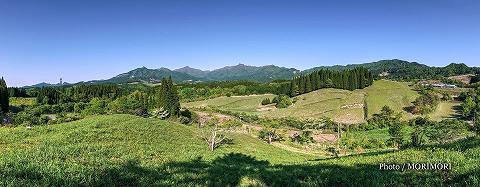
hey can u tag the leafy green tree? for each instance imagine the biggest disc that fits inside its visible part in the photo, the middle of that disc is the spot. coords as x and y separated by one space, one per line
468 106
476 127
447 130
421 127
397 133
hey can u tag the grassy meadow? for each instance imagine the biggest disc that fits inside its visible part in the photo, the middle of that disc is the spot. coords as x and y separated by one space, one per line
396 95
125 150
248 104
340 105
445 110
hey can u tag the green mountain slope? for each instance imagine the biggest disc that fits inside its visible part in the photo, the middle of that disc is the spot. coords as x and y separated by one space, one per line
149 75
400 69
243 72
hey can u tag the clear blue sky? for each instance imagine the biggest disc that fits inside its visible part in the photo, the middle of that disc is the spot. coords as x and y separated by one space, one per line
42 40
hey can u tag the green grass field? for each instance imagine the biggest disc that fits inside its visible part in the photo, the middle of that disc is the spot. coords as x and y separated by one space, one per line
341 105
396 95
124 150
445 110
248 104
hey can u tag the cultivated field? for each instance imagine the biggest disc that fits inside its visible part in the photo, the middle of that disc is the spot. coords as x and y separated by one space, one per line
133 151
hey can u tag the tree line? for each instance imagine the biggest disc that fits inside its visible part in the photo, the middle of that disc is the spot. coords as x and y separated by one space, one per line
356 78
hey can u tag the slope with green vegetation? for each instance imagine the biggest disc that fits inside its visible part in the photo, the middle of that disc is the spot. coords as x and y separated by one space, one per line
396 95
124 150
446 109
340 105
400 69
248 104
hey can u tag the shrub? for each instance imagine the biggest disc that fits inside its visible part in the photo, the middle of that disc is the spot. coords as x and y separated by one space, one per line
269 135
282 101
231 123
184 120
303 137
140 112
266 101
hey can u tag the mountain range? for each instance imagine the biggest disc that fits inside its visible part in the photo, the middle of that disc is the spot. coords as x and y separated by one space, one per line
396 69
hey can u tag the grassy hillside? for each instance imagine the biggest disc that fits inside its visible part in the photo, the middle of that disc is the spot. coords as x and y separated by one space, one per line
124 150
341 105
247 104
396 95
446 109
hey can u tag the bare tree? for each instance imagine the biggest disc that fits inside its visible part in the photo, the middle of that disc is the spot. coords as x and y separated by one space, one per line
212 135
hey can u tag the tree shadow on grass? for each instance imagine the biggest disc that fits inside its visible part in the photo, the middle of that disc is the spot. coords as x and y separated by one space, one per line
237 169
372 153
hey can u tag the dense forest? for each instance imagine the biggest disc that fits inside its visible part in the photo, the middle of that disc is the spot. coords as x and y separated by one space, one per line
356 78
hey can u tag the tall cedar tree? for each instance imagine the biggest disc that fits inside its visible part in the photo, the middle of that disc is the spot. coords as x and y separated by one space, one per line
4 96
168 97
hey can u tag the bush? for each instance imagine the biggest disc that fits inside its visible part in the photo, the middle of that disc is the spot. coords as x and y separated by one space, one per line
303 137
184 120
266 101
140 112
282 101
231 123
269 135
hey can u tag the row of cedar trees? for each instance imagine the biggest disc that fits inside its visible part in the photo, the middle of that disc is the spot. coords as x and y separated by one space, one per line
4 96
357 78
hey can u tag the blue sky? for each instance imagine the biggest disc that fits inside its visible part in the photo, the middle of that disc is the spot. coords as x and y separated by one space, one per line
41 41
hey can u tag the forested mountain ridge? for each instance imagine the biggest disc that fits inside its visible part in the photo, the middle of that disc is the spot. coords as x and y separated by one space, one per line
192 71
243 72
400 69
144 74
393 69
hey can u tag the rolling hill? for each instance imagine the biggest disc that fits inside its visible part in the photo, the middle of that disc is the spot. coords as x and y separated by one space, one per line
124 150
340 105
